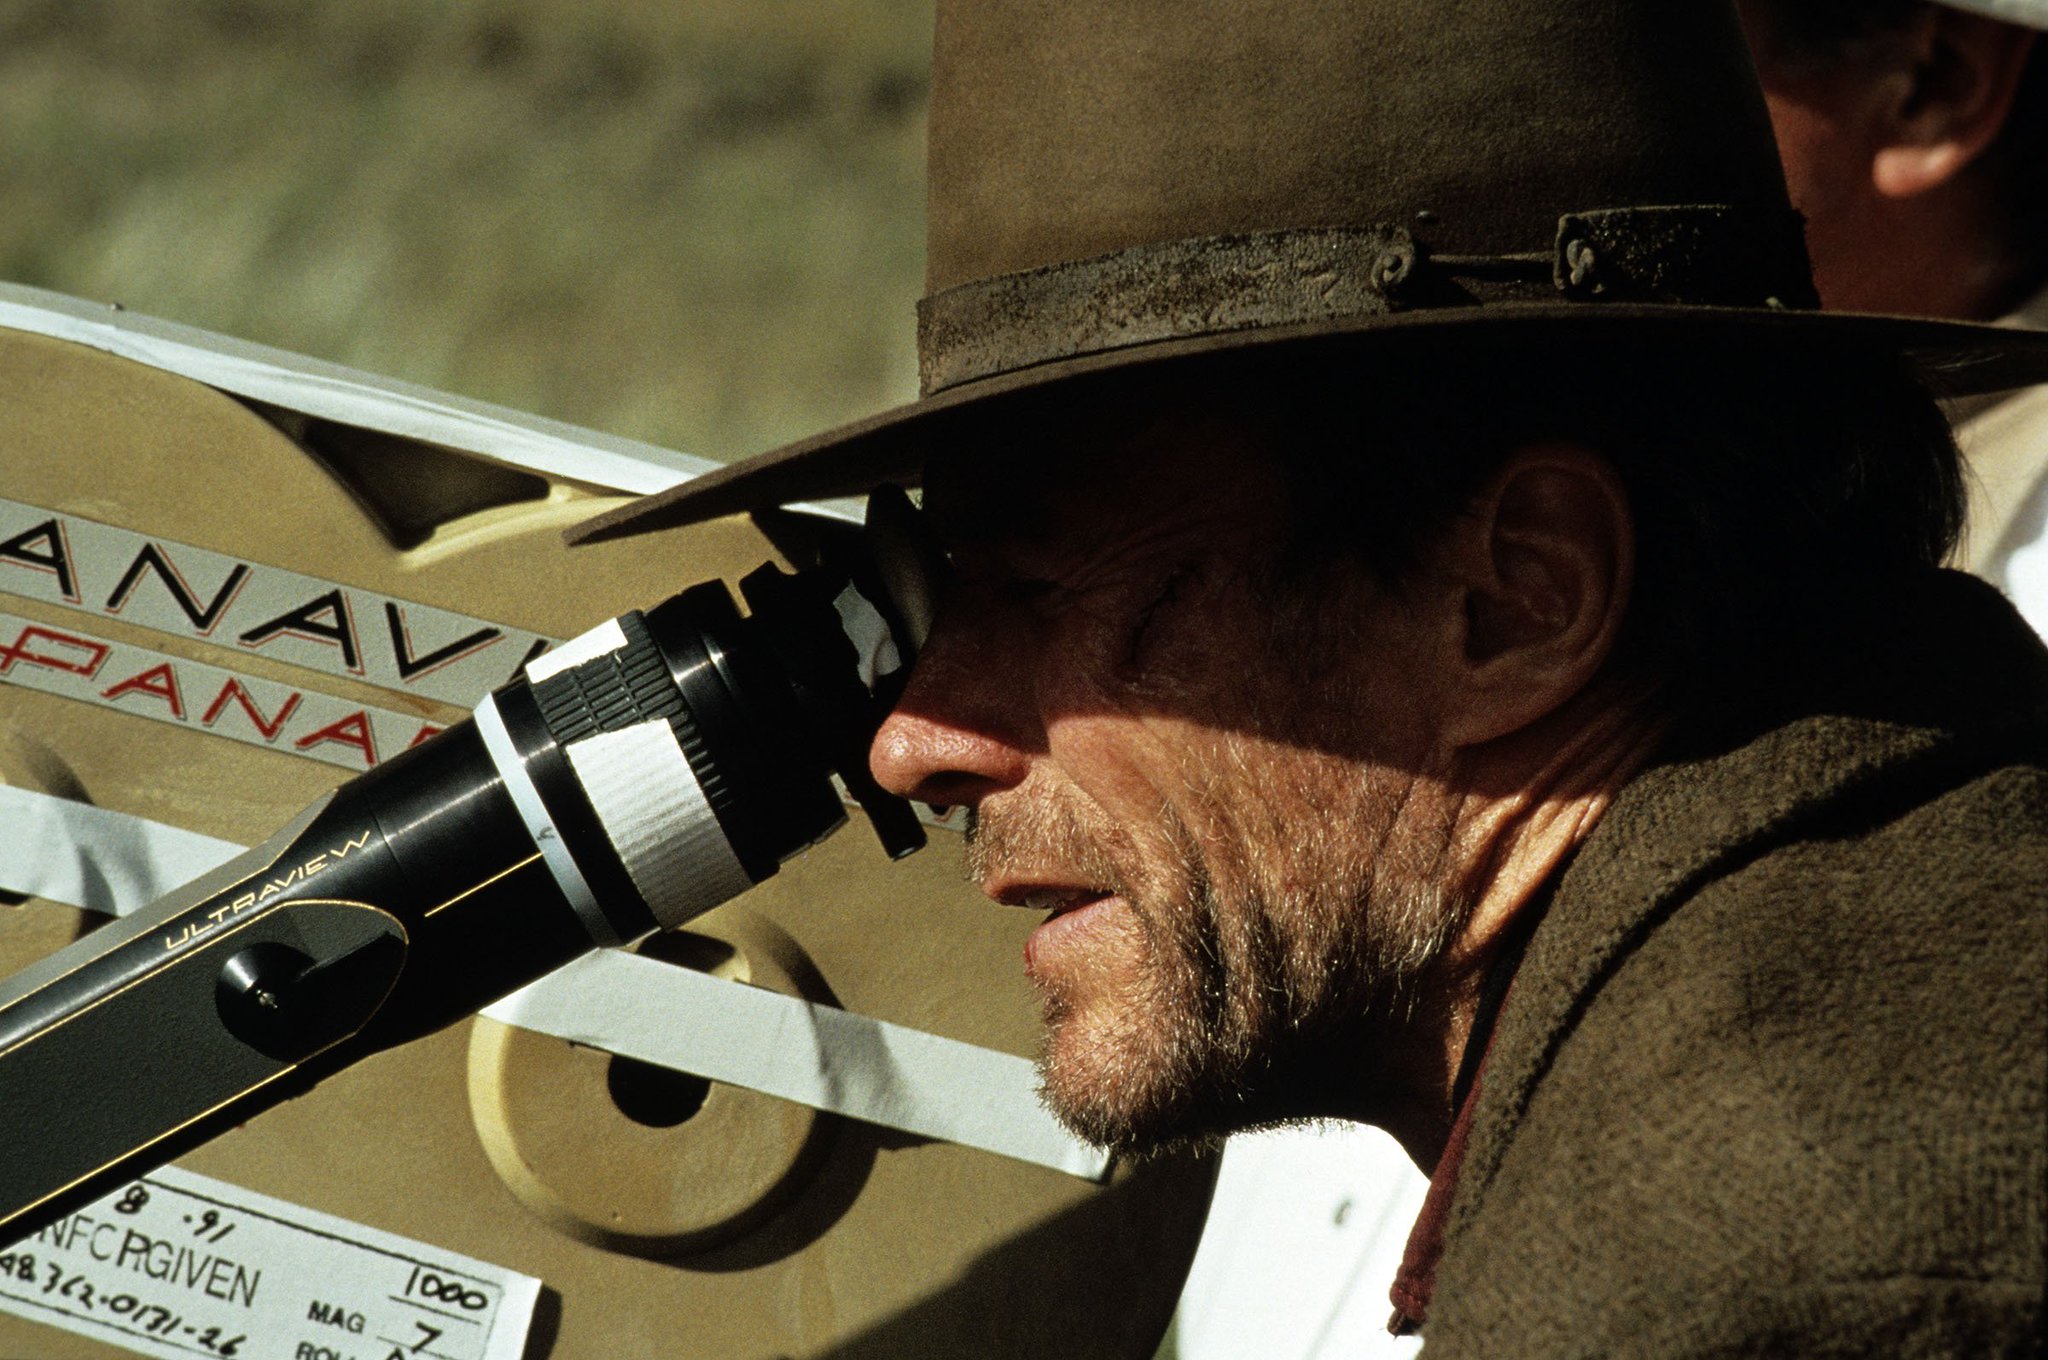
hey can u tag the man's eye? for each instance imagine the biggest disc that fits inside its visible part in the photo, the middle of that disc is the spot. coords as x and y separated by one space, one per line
1142 623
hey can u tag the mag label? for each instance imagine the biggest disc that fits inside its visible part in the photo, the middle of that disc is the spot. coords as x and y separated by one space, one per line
177 1264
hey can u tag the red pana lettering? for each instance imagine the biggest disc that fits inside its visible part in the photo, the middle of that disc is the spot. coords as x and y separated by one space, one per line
35 632
159 680
354 730
234 691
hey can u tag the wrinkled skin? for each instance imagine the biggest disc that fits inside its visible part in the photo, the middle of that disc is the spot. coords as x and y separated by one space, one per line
1224 792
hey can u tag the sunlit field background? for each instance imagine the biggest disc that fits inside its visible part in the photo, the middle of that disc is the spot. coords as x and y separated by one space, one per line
694 222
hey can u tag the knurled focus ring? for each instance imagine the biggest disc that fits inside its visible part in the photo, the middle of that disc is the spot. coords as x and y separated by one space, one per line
624 687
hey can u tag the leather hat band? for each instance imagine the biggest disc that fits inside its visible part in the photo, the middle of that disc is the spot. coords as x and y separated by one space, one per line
1342 276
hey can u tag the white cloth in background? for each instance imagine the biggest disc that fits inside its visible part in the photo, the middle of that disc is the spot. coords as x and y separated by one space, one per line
2005 444
1304 1236
2033 13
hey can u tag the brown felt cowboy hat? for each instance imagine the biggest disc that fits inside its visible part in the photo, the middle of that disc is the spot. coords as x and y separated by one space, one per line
1126 183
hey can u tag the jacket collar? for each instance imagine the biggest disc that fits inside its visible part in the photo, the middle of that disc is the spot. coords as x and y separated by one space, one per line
1953 683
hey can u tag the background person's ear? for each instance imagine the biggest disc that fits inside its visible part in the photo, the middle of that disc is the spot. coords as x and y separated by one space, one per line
1956 79
1543 556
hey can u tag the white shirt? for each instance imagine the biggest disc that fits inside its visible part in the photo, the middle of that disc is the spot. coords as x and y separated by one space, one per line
2005 445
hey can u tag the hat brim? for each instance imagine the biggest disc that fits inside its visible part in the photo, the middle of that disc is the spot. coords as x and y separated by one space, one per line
1955 359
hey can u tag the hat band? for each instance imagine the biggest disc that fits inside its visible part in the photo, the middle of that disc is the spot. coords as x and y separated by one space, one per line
1711 256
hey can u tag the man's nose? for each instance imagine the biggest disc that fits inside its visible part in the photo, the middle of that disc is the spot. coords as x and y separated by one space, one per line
958 734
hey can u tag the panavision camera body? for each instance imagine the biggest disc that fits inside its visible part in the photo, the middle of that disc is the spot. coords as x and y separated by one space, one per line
630 779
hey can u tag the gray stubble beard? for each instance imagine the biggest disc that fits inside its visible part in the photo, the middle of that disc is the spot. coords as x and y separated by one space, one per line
1237 1008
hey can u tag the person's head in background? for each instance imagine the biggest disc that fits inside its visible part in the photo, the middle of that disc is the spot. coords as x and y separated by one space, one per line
1914 136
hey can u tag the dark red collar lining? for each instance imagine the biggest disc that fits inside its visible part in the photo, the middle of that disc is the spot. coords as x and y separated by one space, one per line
1415 1282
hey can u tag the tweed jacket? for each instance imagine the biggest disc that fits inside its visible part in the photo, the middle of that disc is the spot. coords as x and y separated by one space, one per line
1771 1078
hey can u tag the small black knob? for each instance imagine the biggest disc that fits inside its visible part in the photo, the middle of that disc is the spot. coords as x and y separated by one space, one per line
255 997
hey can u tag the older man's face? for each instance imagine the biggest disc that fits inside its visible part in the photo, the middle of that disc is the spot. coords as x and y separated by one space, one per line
1216 783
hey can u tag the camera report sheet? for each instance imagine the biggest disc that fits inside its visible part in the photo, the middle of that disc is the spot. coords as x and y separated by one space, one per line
176 1265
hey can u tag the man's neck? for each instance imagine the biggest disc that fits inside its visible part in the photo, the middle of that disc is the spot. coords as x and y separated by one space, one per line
1565 776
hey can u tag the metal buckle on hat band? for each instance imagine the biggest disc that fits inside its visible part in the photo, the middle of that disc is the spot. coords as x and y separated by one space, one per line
1707 255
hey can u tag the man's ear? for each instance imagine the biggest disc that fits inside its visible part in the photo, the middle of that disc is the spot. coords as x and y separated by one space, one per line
1957 75
1544 557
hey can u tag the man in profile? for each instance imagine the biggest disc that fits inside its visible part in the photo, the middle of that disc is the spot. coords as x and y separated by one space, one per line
1914 136
1451 639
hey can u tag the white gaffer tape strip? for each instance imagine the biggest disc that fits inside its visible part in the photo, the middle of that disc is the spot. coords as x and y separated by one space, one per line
869 633
84 856
655 813
818 1055
364 400
831 1059
602 640
490 725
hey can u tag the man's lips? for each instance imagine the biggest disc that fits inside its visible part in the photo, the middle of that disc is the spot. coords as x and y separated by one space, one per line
1053 900
1066 930
1071 911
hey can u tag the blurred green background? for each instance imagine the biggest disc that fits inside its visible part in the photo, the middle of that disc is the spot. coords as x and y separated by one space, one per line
694 222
